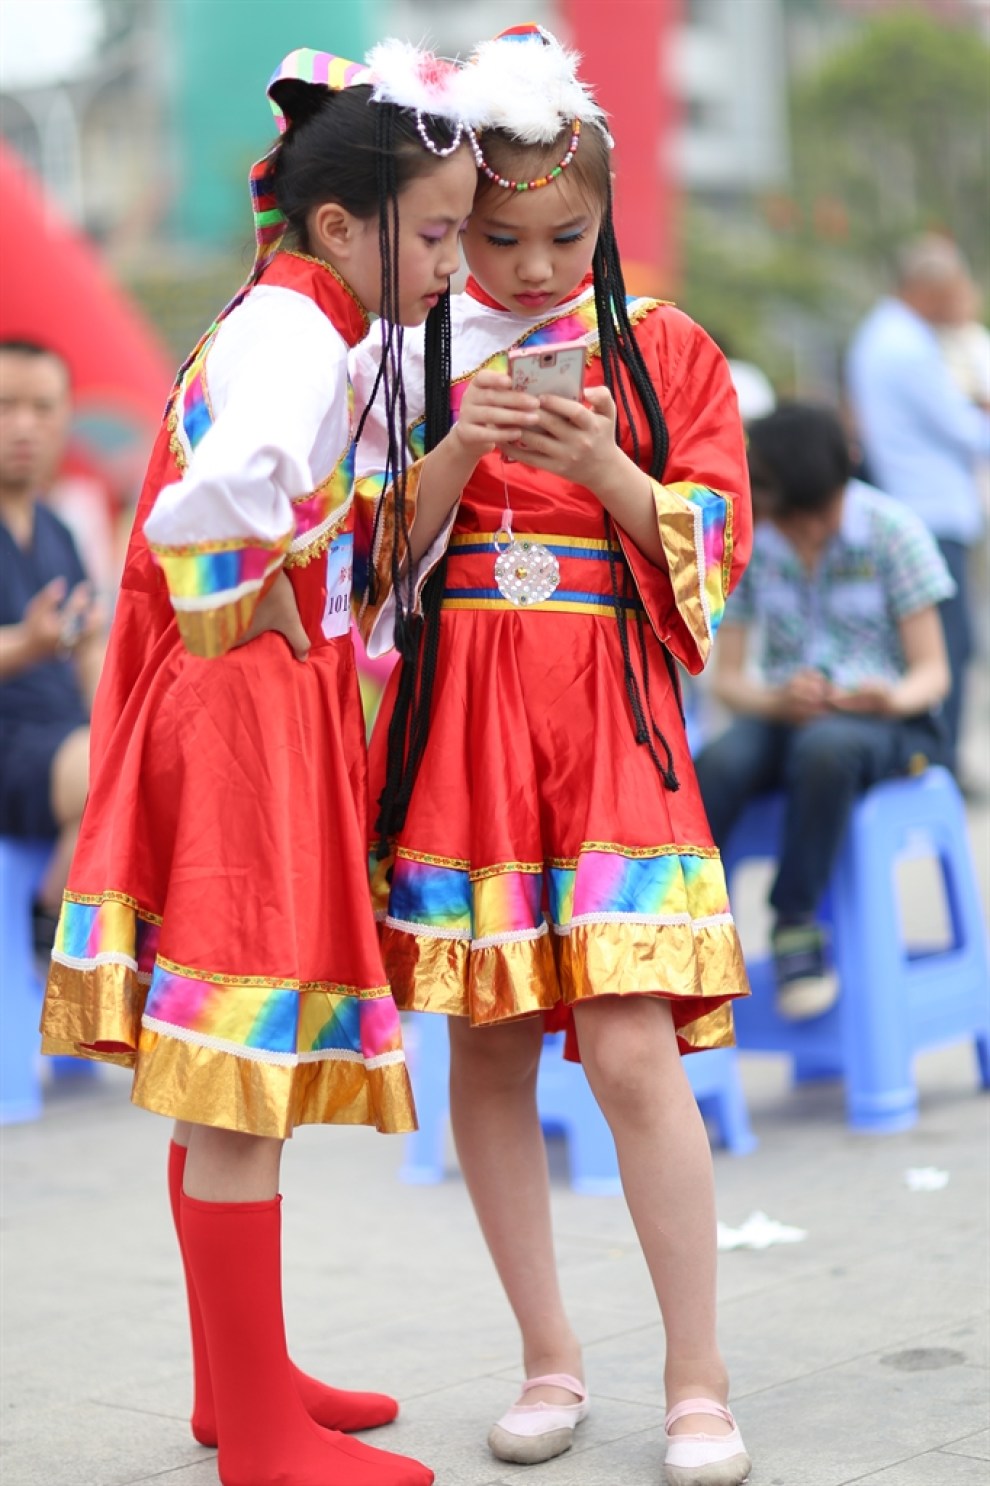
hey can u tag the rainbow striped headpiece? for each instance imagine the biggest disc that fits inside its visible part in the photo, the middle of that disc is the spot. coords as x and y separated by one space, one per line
396 72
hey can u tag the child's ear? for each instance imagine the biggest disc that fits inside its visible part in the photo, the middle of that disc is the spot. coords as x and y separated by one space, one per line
332 231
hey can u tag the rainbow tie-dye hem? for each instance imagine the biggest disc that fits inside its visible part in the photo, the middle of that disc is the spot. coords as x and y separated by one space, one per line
254 1053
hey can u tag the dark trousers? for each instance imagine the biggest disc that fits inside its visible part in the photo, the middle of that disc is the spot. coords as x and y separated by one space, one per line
822 768
958 642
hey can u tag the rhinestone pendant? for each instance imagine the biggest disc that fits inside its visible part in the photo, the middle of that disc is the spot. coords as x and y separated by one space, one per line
526 572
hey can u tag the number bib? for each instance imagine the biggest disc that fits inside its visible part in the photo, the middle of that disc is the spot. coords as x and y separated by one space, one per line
340 568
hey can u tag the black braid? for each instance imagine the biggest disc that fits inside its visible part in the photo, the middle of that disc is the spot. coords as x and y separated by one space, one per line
417 638
622 364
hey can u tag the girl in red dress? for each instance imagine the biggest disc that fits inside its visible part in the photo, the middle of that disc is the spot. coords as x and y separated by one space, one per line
216 935
541 846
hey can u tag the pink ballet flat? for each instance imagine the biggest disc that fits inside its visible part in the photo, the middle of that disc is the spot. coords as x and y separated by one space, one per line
532 1432
704 1459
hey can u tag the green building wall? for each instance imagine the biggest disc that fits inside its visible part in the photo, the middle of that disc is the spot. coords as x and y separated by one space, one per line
224 52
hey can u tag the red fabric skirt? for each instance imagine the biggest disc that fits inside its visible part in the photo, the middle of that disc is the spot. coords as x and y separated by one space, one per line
216 934
543 860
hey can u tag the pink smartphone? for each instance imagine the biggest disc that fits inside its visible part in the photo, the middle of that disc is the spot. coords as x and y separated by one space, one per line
545 370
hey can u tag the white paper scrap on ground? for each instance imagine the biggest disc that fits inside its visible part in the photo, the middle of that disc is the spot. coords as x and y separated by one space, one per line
926 1178
758 1232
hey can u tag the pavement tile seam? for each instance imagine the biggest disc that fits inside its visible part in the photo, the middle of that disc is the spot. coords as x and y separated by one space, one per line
877 1475
132 1408
951 1448
175 1472
902 1343
842 1363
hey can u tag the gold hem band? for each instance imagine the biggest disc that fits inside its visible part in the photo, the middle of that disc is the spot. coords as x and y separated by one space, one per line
700 971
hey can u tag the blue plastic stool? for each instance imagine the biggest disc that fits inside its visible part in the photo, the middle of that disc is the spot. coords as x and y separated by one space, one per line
893 1002
22 866
565 1102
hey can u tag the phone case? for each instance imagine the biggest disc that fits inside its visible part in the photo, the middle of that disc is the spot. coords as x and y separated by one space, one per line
546 370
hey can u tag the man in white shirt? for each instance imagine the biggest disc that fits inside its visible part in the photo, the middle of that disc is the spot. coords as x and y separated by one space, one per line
923 439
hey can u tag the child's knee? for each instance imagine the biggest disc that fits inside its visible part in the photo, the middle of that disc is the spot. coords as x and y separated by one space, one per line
624 1043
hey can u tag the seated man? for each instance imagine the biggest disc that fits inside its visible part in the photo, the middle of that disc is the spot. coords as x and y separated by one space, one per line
842 593
51 645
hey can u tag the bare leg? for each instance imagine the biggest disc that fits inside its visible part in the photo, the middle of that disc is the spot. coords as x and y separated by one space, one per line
68 789
629 1052
503 1157
226 1166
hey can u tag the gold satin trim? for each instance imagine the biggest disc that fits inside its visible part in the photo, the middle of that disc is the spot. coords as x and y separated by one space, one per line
548 539
483 874
84 1008
676 525
188 1082
498 869
429 859
209 633
96 1014
699 970
273 982
506 980
112 896
634 853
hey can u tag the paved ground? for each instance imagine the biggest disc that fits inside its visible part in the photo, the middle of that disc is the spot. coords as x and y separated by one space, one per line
859 1355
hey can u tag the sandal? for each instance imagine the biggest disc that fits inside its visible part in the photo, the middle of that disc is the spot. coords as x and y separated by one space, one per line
704 1459
532 1432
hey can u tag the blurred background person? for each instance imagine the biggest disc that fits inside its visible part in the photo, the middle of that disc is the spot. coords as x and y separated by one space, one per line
965 345
51 627
841 593
922 437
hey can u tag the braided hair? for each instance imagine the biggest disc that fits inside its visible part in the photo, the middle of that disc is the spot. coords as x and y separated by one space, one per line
628 380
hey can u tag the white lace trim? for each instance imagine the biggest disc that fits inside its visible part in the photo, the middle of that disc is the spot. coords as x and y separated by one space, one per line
514 936
93 962
425 931
699 552
266 1055
654 920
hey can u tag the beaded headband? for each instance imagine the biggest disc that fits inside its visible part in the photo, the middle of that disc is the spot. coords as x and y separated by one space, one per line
534 185
525 84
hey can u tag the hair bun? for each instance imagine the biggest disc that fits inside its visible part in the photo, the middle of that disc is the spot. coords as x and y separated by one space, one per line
299 100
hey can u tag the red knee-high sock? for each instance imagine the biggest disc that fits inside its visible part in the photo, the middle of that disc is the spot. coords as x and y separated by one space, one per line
333 1408
266 1437
202 1421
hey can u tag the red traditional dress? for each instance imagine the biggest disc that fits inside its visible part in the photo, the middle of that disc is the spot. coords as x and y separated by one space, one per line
216 934
543 860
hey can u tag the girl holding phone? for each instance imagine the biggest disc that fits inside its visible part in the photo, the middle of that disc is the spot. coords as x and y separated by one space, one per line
541 856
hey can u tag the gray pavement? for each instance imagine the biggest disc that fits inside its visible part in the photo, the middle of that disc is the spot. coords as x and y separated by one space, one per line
859 1355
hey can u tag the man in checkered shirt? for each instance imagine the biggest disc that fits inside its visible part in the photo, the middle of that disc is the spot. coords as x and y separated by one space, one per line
840 600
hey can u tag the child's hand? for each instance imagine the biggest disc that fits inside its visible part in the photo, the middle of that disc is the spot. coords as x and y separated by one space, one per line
278 612
575 440
492 415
